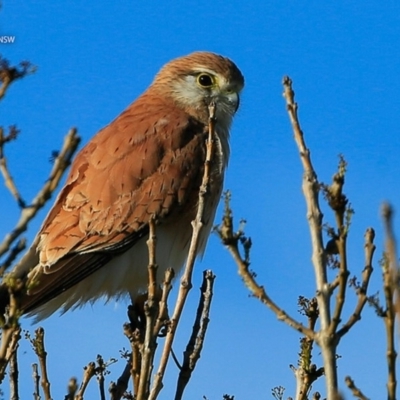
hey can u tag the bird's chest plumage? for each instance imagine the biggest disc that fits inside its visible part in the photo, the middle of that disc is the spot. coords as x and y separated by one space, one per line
174 232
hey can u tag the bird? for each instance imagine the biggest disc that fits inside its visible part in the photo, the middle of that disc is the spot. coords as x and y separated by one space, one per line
147 163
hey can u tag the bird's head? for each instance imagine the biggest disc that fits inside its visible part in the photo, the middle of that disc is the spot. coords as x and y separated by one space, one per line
196 80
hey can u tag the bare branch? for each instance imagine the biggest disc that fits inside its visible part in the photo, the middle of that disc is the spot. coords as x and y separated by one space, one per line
11 330
88 373
39 349
186 280
307 373
8 180
390 286
361 290
354 389
72 388
61 163
196 341
117 390
9 74
10 337
314 214
163 317
231 241
148 348
18 248
134 336
338 202
325 339
36 381
14 373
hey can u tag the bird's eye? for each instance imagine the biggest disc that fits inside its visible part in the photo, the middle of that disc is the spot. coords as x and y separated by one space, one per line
205 80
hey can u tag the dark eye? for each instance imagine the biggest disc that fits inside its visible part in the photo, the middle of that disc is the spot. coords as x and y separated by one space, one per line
205 80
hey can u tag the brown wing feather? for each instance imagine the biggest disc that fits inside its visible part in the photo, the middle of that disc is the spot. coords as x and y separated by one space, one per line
146 162
48 286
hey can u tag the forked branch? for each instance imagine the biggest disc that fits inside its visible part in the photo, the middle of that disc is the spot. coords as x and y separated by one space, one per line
9 74
193 349
231 240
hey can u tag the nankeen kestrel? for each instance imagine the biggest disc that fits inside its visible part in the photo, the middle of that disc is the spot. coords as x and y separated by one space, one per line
147 163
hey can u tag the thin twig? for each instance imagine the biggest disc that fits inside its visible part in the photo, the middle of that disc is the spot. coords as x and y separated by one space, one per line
307 373
231 241
88 373
196 341
117 389
361 290
11 331
100 370
14 373
19 247
36 381
71 142
148 348
9 74
354 389
71 389
8 180
186 280
39 349
11 338
338 201
163 317
134 337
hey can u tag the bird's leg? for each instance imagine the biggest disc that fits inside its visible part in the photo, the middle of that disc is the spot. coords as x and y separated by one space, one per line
136 312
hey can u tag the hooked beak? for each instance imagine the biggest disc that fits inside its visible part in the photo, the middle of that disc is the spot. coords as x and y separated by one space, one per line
233 100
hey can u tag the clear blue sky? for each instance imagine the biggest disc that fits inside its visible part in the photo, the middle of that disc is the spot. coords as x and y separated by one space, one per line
94 58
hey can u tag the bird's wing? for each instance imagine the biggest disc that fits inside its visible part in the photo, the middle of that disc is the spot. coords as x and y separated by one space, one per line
148 162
